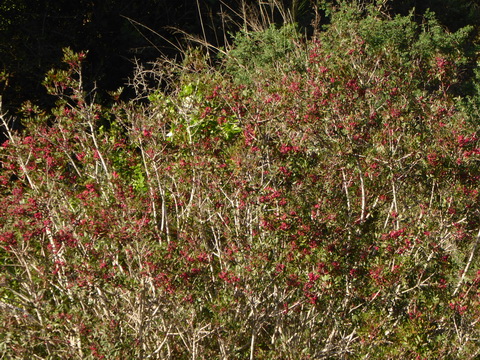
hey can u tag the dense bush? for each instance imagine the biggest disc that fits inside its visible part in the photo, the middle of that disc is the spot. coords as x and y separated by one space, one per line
325 211
275 50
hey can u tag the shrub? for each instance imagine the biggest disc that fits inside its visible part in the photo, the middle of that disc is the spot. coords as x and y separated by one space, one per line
256 54
327 212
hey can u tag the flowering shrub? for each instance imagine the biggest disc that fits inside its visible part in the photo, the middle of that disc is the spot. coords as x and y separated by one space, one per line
329 212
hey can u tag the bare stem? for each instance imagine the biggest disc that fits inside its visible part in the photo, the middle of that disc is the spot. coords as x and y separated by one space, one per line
469 262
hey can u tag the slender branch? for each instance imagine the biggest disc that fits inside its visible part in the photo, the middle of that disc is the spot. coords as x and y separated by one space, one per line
469 262
346 190
12 140
362 189
394 203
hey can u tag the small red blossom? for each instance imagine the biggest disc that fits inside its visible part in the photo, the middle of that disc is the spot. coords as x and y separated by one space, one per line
293 280
284 226
228 277
279 268
81 156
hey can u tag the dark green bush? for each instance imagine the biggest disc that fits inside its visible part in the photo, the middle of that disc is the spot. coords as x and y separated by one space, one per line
268 53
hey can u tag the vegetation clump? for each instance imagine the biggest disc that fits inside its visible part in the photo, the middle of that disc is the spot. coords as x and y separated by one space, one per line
309 198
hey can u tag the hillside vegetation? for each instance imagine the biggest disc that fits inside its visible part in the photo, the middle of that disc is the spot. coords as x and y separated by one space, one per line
306 198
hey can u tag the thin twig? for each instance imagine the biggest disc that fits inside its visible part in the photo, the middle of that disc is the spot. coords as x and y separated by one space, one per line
469 262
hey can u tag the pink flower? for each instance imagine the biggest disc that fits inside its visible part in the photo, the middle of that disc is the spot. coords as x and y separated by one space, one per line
284 226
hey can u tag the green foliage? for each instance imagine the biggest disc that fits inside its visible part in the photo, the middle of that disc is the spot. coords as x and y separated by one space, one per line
264 53
471 103
402 41
193 116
